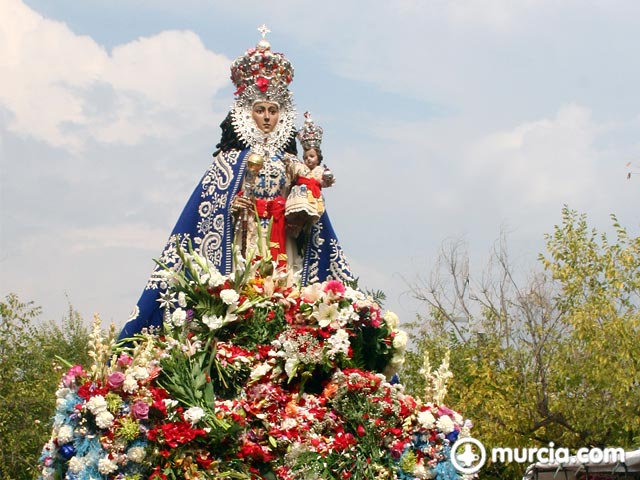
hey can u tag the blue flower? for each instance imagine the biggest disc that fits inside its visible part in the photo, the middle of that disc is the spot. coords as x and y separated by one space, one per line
453 436
67 451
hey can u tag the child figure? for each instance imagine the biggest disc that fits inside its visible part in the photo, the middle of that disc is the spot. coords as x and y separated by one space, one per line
305 204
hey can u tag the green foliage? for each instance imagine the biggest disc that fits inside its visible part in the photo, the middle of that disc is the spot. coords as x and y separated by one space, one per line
555 358
598 300
369 350
260 329
378 296
27 401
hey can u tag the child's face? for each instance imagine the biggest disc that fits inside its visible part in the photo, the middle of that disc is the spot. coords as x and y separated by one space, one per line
310 158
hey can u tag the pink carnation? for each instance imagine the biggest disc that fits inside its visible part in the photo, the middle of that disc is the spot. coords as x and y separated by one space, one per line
444 410
334 286
69 378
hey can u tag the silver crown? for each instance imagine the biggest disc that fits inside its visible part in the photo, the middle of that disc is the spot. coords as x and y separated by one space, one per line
261 73
262 76
310 135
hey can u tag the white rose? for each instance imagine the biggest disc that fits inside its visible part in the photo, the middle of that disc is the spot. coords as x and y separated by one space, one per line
397 361
426 419
65 434
106 466
104 420
229 296
136 454
391 319
400 340
445 424
193 415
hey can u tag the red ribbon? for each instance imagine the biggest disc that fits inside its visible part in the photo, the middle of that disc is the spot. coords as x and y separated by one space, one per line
275 209
312 184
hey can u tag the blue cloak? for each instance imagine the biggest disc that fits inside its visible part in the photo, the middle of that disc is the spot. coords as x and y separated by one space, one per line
206 223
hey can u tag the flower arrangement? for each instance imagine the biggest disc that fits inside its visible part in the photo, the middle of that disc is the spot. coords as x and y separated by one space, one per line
252 376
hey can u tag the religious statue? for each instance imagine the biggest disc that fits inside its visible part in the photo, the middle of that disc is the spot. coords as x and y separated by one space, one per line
305 203
257 373
244 190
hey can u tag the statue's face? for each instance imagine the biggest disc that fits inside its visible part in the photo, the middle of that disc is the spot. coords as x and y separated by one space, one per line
310 158
266 115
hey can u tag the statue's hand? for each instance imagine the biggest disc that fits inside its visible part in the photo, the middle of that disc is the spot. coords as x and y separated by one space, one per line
241 204
288 159
328 178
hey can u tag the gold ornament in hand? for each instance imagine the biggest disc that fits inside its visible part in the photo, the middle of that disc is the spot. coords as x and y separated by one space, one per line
255 162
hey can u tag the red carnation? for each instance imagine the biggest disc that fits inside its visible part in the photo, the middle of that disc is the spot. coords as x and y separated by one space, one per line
204 460
90 389
157 474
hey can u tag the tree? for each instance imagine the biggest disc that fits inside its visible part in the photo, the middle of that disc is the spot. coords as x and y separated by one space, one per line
30 374
551 358
599 303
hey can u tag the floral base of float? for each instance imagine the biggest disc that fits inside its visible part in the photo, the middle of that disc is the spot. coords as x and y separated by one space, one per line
252 377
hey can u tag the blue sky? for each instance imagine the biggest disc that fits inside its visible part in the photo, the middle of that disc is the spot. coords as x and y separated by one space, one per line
443 120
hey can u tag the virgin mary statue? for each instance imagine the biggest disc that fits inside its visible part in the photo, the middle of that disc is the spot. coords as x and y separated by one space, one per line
245 188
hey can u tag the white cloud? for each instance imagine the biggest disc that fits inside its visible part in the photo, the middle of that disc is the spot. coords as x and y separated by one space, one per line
113 236
64 88
472 139
540 162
